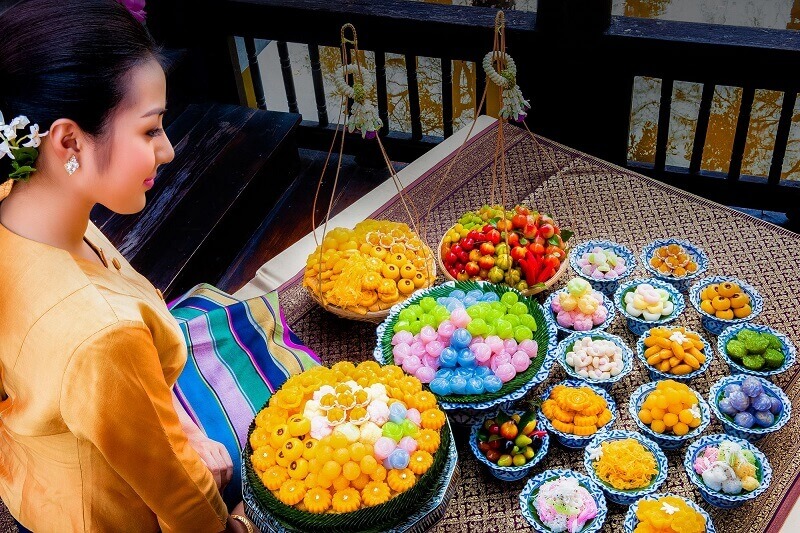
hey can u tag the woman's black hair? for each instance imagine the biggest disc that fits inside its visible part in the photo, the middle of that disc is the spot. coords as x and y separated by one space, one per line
69 59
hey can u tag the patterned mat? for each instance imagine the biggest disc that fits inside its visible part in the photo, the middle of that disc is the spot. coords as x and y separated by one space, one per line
597 200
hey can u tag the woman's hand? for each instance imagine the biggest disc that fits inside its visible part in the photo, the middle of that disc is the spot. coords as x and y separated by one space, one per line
214 455
216 458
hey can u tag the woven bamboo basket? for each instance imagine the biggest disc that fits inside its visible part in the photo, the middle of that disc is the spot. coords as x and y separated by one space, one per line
530 292
375 317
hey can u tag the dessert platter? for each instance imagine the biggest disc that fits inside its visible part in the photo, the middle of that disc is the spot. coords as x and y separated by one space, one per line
640 411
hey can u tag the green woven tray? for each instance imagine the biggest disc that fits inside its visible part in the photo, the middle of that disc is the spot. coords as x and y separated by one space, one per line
541 336
367 520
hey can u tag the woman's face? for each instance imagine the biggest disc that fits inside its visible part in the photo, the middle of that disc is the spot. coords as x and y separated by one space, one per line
125 161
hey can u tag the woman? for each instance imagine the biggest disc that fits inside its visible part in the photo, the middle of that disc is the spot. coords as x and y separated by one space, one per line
91 436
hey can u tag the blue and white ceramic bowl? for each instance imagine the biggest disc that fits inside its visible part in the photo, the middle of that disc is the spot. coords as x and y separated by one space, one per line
606 286
720 499
754 433
528 496
624 497
568 439
506 473
565 332
666 441
469 413
713 324
565 346
631 521
656 374
638 325
729 333
695 252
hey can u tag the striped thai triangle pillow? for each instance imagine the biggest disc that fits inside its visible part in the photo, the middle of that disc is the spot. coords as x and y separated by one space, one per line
240 352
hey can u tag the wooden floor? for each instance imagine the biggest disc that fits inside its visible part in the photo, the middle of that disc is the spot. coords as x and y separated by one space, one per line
290 220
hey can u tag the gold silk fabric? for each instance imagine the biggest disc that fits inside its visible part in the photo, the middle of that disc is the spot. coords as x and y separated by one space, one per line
89 438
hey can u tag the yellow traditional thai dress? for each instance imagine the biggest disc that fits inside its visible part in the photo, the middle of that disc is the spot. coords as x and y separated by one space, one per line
89 438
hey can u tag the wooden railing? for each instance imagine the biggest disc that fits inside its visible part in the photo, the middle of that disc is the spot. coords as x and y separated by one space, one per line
580 85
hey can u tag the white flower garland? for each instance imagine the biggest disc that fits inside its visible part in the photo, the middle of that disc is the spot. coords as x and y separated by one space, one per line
22 154
514 104
363 114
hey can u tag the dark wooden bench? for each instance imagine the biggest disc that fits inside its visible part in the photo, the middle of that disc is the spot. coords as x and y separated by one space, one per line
232 165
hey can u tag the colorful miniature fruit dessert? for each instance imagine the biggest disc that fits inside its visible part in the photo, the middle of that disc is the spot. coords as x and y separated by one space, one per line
576 410
749 404
648 303
564 505
595 358
671 408
510 440
602 264
579 307
340 439
520 247
725 301
369 268
668 514
727 468
466 343
755 350
673 260
674 350
625 464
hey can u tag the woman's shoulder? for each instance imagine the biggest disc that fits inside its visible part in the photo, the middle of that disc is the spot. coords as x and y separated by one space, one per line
45 292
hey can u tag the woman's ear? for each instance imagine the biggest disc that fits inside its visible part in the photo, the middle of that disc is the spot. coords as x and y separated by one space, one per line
66 139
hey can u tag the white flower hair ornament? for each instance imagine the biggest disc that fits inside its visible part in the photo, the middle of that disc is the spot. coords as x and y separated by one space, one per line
363 115
514 104
21 148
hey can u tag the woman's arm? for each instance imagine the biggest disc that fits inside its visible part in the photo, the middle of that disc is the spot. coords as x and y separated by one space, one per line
214 454
114 396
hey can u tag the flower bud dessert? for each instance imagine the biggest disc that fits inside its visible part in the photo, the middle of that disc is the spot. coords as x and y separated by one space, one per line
756 350
668 514
749 404
564 505
369 268
673 260
671 408
727 468
576 410
674 350
580 307
602 263
341 439
595 358
648 303
625 464
725 300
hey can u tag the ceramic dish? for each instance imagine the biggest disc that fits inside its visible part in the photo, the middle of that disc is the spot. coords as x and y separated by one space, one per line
718 498
713 324
666 441
694 252
606 286
639 325
571 440
789 351
715 394
531 490
565 346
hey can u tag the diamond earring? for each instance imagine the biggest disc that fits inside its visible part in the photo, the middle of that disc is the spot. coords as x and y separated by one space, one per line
72 165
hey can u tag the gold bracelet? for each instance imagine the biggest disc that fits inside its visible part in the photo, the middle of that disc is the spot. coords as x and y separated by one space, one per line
244 520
